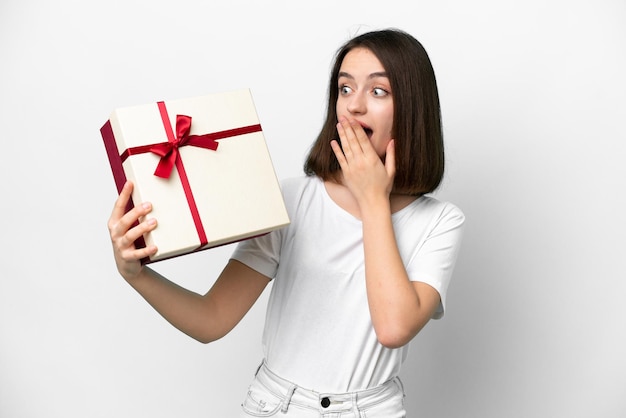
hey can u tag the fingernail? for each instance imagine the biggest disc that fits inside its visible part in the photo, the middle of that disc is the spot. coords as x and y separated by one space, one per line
146 205
151 221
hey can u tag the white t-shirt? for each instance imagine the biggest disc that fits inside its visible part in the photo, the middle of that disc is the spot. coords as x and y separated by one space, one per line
318 330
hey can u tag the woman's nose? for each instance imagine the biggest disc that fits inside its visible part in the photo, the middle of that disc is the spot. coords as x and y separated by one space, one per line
357 104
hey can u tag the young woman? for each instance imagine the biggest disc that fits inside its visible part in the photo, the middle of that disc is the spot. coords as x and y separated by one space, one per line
366 261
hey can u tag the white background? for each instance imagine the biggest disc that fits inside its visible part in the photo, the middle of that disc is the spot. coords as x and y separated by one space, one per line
534 102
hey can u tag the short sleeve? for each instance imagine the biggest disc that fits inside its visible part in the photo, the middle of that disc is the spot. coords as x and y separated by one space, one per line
261 253
434 259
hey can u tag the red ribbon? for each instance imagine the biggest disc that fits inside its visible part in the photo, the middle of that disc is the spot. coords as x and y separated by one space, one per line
168 151
170 156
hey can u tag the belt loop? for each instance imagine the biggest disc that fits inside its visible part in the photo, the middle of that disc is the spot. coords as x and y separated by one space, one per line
355 407
287 400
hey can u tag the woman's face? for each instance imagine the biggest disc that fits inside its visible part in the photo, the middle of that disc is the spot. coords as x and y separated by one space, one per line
365 96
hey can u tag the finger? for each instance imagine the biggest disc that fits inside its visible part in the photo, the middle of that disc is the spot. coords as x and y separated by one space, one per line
125 248
390 158
341 158
122 200
350 137
343 137
119 208
120 227
130 236
360 138
138 254
119 217
131 253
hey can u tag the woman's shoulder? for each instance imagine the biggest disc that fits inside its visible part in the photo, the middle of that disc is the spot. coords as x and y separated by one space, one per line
428 207
439 209
435 202
300 192
297 186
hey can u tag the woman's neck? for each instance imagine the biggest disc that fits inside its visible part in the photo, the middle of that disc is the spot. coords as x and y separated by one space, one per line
342 196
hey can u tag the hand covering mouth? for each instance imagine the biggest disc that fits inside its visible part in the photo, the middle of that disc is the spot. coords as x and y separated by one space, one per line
368 131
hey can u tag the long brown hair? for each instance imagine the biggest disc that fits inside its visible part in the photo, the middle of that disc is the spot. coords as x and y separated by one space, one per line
417 116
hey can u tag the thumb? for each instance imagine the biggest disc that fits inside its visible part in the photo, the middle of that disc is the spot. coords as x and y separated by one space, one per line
390 158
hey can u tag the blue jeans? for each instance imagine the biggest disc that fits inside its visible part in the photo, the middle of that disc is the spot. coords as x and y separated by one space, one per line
271 396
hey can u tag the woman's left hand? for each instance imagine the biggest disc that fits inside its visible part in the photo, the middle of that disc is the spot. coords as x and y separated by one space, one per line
364 173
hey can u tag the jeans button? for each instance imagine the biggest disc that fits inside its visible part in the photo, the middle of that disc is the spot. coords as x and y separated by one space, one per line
325 402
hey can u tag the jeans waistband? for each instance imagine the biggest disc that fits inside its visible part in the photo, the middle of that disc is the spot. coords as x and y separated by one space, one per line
290 393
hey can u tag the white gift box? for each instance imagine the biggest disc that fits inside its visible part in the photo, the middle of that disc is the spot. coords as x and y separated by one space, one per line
217 188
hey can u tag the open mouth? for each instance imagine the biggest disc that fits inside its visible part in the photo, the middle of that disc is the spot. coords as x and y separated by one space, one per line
368 132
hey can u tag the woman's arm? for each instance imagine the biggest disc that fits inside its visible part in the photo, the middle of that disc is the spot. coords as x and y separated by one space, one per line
203 317
399 308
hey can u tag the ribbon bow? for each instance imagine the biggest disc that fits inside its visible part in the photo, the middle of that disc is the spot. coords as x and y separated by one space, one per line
168 151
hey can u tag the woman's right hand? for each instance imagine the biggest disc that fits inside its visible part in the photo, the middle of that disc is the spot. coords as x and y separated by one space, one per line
123 234
204 317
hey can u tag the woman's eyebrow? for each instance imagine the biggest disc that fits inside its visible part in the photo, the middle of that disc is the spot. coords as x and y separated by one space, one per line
372 75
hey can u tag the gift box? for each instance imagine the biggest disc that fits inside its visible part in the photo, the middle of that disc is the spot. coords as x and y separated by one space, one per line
204 165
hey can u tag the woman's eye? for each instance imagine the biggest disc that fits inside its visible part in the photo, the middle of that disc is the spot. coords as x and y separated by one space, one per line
379 92
345 89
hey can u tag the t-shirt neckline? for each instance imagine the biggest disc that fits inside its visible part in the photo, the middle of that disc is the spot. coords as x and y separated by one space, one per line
344 213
